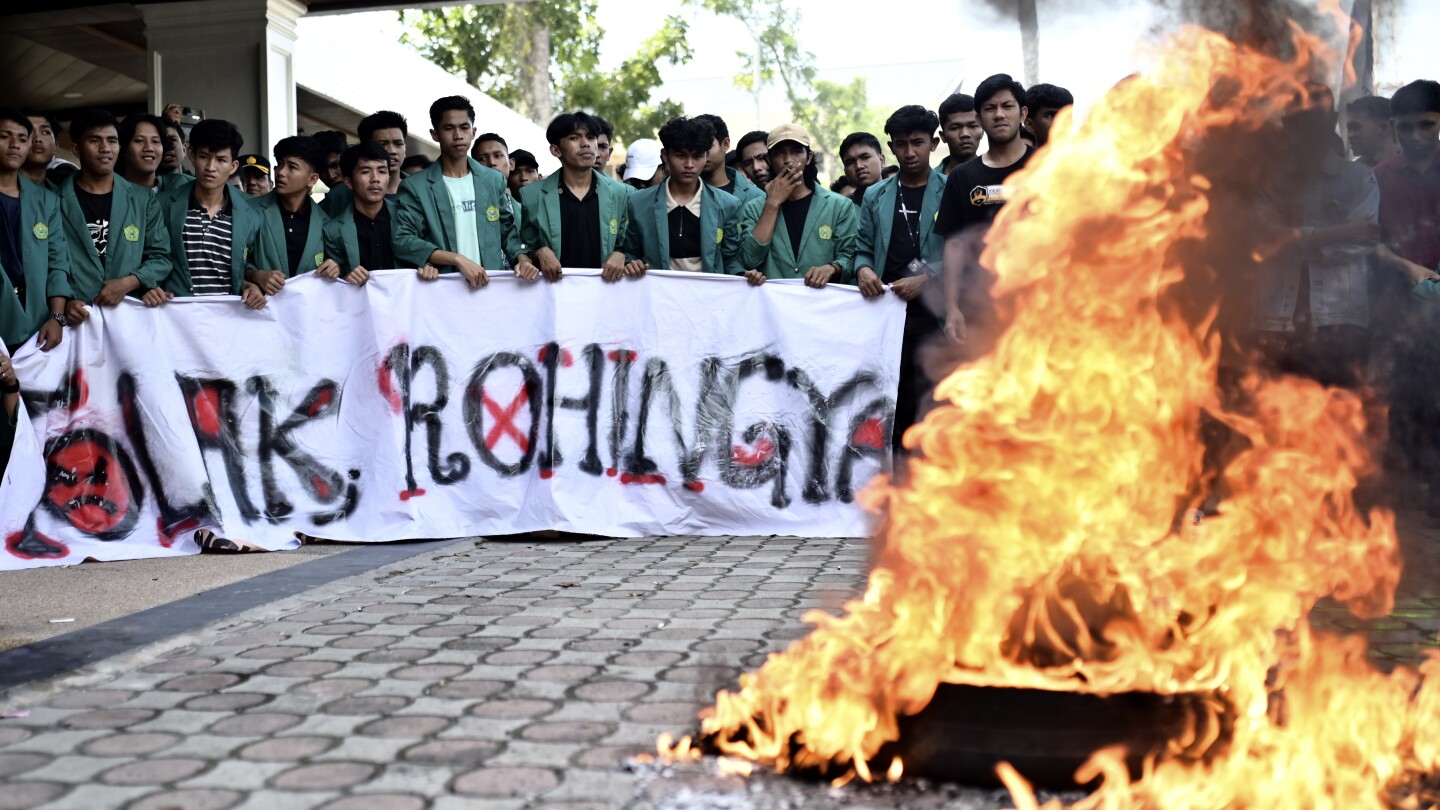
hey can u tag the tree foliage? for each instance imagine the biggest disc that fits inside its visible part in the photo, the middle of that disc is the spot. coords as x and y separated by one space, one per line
828 110
495 47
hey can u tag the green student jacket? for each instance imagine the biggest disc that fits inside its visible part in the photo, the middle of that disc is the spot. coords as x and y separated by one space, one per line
877 218
829 236
174 205
745 191
542 213
270 252
138 246
425 219
47 265
648 233
342 241
336 200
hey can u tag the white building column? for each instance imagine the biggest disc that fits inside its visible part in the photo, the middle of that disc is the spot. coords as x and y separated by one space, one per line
234 59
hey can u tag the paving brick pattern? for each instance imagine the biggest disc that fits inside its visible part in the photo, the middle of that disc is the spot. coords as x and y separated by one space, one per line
493 675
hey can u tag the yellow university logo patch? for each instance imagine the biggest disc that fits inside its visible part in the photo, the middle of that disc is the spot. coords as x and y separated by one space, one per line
319 258
719 235
614 227
492 214
132 233
826 232
41 231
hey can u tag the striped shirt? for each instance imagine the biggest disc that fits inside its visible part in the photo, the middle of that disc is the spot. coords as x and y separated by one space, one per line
207 249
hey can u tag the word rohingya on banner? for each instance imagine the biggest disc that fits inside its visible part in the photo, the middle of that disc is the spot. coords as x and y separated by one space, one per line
674 404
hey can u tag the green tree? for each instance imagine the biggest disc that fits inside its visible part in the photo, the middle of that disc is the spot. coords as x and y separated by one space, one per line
829 110
543 54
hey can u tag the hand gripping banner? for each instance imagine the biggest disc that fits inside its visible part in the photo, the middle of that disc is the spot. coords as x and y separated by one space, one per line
674 404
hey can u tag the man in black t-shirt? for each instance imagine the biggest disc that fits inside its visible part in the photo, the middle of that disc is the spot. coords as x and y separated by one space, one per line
976 191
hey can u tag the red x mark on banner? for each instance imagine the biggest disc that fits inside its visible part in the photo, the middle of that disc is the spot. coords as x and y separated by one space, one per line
505 420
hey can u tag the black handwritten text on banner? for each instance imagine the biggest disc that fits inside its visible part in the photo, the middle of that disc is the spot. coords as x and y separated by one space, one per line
673 404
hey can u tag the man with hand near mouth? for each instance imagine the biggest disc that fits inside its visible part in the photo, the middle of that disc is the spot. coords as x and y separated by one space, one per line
683 223
32 246
799 229
453 215
574 217
114 229
975 192
291 239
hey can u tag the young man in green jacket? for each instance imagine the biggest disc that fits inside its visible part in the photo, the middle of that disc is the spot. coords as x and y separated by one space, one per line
115 234
717 174
291 239
683 224
798 229
361 238
898 245
453 215
32 246
212 224
576 216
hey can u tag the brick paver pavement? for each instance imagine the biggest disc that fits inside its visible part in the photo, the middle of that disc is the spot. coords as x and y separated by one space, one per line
489 675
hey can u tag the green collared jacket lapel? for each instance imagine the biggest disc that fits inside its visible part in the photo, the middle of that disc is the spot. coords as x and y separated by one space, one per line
138 242
342 240
270 251
542 222
877 220
828 236
43 250
648 233
425 219
245 224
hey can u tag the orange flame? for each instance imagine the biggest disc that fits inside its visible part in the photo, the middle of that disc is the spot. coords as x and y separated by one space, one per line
1036 543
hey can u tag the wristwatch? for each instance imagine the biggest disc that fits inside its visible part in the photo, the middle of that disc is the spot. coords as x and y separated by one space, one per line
59 316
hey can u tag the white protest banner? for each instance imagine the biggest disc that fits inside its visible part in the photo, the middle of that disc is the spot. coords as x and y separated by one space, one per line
673 404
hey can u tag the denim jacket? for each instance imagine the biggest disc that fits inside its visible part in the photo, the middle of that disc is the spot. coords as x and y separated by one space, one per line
1340 192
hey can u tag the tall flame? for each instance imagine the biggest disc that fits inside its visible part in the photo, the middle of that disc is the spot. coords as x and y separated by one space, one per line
1037 543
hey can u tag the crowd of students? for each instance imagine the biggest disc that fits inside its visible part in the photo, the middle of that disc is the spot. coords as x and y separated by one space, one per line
130 220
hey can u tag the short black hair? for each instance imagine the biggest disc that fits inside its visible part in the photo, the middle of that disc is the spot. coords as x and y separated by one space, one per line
448 103
522 159
722 132
305 148
86 120
36 112
351 157
1047 97
1420 96
133 121
413 160
999 83
841 183
695 135
491 136
606 128
855 139
568 123
753 137
911 118
1376 107
890 171
333 142
215 135
384 119
956 103
13 114
175 125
